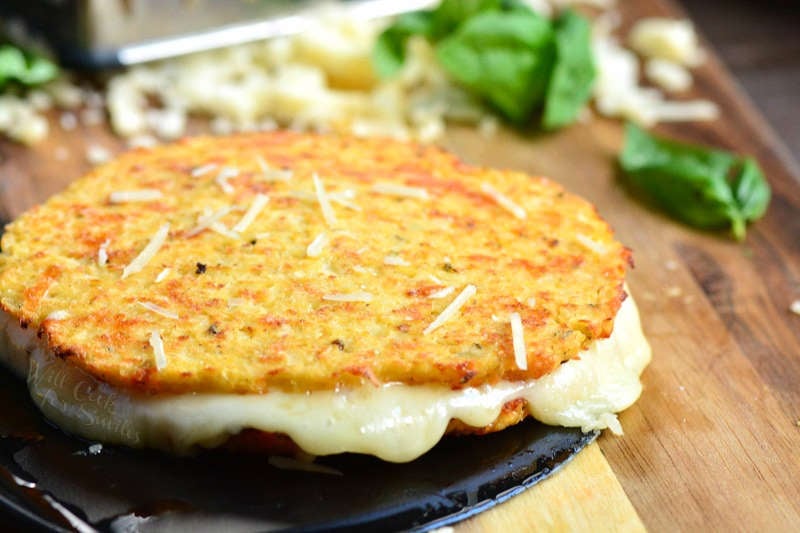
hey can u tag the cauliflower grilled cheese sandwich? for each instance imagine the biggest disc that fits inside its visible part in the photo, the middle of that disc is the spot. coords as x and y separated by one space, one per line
279 291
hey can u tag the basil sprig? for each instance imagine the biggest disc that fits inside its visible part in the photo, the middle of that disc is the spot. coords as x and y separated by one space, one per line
505 53
25 69
702 187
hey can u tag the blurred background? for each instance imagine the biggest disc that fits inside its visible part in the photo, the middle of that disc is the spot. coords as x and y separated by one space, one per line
760 44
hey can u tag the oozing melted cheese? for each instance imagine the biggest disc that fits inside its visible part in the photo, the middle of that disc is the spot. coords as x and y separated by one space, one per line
395 422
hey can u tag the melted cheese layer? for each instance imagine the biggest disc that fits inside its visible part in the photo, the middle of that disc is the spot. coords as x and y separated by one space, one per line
395 422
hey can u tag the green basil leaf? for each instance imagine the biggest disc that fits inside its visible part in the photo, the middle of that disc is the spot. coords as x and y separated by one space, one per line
449 15
389 52
702 187
503 57
573 75
751 190
31 70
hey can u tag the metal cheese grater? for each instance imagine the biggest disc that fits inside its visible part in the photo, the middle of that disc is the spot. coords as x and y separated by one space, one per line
95 34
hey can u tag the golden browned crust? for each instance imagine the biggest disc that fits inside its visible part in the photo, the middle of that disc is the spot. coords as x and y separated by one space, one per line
252 312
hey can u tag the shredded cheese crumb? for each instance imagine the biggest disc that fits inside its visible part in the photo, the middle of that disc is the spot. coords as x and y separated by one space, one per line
163 274
202 170
58 315
360 296
674 40
95 449
503 201
668 75
222 179
148 252
273 174
205 222
395 260
158 350
344 198
141 195
611 421
450 311
795 307
393 189
222 229
315 248
324 202
287 463
597 247
442 293
518 339
157 309
252 212
102 253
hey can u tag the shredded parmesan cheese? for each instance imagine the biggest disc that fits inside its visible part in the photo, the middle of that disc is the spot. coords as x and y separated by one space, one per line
324 202
450 311
272 174
315 248
159 310
395 260
222 229
222 179
255 208
287 463
517 338
610 421
158 350
442 293
360 296
141 195
163 274
597 247
204 222
148 252
58 315
202 170
393 189
671 39
668 75
102 253
344 198
95 449
503 201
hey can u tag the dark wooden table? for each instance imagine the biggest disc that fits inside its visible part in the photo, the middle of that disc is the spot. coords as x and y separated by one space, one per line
759 41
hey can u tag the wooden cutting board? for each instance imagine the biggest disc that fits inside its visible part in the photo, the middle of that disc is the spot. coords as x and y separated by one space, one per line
713 442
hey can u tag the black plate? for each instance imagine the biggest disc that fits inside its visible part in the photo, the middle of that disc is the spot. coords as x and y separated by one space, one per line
48 479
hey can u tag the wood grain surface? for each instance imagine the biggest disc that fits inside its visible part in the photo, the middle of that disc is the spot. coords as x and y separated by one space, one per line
713 442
